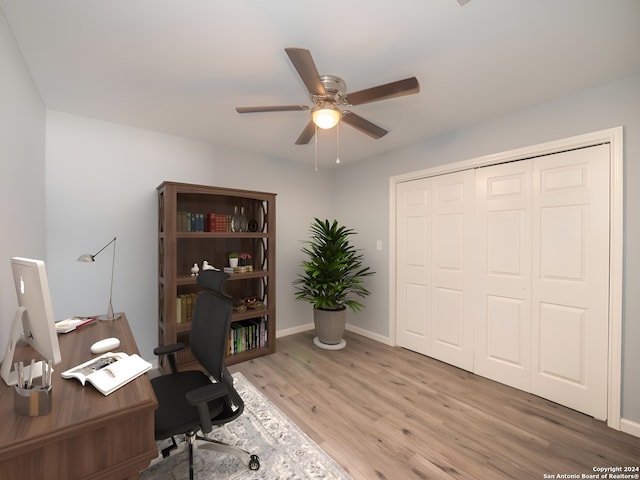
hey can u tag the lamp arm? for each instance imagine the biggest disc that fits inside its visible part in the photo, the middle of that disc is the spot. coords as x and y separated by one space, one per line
96 254
113 266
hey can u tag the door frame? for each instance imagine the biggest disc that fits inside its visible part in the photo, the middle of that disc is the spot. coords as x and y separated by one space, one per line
614 137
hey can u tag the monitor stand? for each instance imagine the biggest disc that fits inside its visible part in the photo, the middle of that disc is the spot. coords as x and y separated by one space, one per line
9 376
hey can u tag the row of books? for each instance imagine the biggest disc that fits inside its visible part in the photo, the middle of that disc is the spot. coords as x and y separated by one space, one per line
203 222
243 269
184 307
247 335
243 335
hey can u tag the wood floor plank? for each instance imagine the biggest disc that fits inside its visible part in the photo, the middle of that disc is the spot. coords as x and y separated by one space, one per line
387 413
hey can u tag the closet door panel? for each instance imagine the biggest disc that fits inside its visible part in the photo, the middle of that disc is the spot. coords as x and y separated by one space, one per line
413 260
503 322
451 321
571 278
505 319
433 238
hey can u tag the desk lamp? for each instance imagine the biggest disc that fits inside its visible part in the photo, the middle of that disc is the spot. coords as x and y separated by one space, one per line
92 258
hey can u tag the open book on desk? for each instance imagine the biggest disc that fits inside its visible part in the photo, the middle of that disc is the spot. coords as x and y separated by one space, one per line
109 371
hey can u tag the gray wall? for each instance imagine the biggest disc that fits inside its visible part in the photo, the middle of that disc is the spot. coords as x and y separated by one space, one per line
366 204
101 183
22 172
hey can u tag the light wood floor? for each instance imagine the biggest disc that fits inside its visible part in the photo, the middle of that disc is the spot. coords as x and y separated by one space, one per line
387 413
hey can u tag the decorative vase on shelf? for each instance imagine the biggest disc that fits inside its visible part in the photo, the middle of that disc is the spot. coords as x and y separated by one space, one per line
244 223
239 222
235 219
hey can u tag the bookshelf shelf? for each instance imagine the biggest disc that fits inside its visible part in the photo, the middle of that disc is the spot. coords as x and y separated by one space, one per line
193 226
230 235
189 280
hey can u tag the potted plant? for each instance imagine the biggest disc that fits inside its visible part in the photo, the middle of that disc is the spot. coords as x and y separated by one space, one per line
245 259
333 280
233 259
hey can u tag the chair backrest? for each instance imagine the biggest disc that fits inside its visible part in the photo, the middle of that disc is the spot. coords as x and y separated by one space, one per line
211 322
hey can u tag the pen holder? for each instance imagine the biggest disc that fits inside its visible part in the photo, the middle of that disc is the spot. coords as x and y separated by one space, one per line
32 402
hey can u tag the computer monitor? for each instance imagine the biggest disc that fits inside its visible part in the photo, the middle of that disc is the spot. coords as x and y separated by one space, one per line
34 321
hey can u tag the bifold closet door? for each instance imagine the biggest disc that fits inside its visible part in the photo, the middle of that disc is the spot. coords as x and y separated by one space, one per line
504 271
570 289
452 239
543 238
433 242
413 264
503 316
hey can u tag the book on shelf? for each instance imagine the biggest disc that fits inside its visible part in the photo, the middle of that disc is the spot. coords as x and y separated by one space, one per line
241 269
109 371
190 222
203 222
217 222
247 335
197 222
184 307
181 222
186 222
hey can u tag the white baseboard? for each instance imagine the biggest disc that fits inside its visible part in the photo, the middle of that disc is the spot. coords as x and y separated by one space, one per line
293 330
368 334
352 328
630 427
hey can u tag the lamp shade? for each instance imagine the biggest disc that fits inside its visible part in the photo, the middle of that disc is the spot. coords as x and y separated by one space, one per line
326 116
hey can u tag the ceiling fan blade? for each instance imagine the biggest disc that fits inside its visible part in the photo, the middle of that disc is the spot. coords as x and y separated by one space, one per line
307 134
304 64
462 2
399 88
271 108
365 126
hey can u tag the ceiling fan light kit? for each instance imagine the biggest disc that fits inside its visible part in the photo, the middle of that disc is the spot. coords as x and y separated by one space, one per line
325 116
331 101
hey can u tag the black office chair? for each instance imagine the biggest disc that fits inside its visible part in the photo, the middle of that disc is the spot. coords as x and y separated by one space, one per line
193 401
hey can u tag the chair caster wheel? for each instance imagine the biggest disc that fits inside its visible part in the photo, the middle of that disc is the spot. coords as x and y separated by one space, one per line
254 463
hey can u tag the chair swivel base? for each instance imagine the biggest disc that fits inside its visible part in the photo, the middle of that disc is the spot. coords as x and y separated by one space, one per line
191 442
252 461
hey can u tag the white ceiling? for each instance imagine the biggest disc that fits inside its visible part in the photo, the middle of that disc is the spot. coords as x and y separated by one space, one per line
182 66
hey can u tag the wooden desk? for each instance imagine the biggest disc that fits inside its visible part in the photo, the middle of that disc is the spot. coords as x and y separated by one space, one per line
86 435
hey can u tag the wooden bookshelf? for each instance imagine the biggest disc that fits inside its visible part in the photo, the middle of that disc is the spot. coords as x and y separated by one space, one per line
181 244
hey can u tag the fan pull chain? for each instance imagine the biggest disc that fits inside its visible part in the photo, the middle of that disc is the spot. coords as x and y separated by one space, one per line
338 143
316 137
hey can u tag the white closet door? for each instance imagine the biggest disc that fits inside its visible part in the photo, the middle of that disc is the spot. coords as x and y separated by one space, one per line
503 321
413 260
450 326
433 314
571 278
515 287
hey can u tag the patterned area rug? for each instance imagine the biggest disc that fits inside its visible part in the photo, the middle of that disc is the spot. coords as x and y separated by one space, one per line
285 451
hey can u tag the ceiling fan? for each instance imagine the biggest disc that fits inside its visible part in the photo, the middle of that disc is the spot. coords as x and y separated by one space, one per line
331 100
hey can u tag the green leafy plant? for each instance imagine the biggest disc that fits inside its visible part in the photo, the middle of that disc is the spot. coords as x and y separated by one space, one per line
233 255
333 275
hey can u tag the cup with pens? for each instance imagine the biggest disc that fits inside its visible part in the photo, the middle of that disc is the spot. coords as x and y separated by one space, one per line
29 398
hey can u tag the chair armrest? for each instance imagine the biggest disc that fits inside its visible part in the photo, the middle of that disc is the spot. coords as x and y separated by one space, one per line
167 349
200 397
170 350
